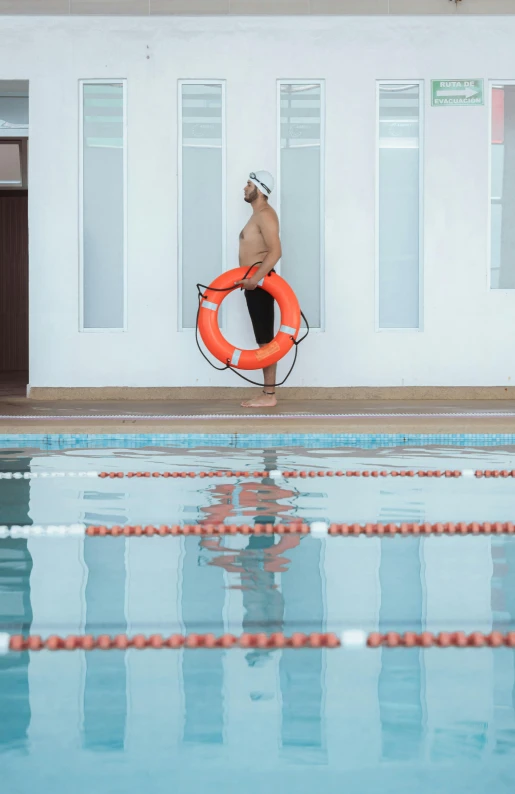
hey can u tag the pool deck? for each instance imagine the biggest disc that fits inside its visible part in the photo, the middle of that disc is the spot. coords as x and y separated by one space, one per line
21 415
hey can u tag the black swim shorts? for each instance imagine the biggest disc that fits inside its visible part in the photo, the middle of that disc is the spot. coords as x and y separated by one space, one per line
261 309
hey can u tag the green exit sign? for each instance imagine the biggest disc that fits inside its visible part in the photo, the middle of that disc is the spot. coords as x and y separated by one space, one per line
457 92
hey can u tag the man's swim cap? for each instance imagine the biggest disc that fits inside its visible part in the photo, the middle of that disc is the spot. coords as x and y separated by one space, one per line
263 180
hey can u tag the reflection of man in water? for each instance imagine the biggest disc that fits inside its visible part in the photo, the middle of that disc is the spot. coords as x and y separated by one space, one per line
257 565
261 502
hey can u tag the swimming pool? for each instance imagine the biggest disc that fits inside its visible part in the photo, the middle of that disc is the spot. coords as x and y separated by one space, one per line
248 719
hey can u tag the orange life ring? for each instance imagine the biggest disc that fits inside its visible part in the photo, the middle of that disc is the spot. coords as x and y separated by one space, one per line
258 357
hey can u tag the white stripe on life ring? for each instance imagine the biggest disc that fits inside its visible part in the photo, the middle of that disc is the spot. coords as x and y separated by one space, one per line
287 329
235 357
209 305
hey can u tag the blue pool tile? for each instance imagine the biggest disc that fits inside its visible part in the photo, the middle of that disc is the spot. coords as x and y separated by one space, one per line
54 441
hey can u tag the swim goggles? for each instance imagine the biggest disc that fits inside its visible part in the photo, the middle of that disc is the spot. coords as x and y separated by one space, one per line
253 176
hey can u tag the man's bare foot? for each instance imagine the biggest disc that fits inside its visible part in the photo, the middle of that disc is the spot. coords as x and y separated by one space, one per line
264 400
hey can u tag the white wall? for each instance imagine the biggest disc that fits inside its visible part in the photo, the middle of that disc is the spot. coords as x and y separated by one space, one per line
468 330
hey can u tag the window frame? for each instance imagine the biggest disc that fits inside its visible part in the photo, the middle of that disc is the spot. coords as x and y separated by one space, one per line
489 104
421 208
321 82
180 252
103 81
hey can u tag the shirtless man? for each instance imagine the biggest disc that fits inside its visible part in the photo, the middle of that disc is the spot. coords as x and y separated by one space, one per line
260 244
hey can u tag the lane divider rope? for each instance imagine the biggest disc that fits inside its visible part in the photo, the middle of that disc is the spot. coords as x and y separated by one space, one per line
318 529
273 474
287 474
276 641
270 416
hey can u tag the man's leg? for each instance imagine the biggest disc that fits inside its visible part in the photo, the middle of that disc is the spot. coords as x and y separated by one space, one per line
267 398
261 309
269 376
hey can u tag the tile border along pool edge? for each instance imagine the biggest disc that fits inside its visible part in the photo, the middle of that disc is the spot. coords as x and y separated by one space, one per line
53 441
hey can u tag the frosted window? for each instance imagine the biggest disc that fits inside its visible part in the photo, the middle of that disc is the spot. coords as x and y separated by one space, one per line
399 206
300 199
103 186
10 164
201 192
502 188
14 114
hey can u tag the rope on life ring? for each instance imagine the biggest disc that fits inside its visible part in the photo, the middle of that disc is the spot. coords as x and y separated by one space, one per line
210 299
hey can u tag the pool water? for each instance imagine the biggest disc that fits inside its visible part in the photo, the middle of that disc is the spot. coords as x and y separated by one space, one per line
360 721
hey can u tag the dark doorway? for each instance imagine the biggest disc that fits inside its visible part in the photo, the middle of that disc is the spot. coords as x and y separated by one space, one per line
14 292
14 238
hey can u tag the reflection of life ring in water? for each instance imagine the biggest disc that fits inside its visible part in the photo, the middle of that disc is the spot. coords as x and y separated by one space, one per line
258 357
238 562
252 499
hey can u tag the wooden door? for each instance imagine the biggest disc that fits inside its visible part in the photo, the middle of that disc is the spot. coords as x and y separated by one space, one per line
14 282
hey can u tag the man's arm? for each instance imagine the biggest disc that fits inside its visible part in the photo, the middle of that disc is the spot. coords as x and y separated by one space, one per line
269 228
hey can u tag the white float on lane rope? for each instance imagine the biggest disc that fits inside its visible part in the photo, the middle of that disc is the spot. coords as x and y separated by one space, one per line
353 638
37 530
319 529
